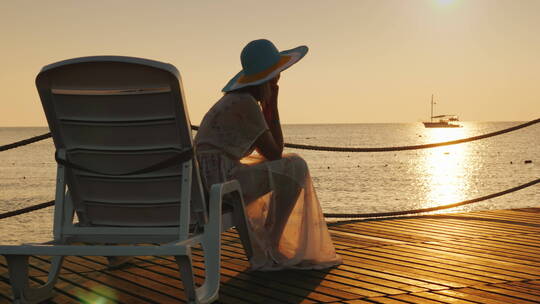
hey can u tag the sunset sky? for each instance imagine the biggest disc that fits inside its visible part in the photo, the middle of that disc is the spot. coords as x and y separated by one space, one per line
369 60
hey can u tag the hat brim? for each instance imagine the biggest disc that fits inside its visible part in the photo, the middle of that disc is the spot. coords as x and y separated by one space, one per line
293 56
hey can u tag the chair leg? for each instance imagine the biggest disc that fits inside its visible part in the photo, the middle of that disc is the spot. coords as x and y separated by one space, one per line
242 226
18 276
209 291
186 274
211 245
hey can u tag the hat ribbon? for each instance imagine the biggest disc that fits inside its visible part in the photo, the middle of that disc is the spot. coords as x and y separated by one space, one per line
261 75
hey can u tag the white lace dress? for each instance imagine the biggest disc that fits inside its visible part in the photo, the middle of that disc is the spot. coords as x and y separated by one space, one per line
284 214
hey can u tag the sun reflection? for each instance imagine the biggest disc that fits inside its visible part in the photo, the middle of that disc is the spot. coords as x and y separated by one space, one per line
446 168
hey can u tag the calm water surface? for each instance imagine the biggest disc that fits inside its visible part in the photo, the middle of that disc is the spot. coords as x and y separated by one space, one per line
345 182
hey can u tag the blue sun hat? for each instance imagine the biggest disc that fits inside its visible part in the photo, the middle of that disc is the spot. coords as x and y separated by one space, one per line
261 61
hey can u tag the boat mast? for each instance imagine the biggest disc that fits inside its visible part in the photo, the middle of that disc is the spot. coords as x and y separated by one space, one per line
431 117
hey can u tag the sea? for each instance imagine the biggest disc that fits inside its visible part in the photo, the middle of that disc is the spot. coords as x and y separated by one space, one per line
345 182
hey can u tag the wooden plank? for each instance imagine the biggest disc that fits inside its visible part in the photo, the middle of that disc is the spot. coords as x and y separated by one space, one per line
479 224
514 213
505 219
411 298
329 286
523 264
495 296
523 289
505 252
307 292
354 240
111 287
288 283
460 295
520 266
426 276
442 298
482 257
411 285
491 218
500 245
385 234
230 286
529 285
6 295
333 287
465 260
437 266
59 297
446 261
436 232
385 300
84 291
501 289
374 278
139 276
450 275
356 302
305 288
529 240
314 290
361 282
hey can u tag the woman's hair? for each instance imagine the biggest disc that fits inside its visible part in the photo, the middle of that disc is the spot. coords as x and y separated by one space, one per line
259 92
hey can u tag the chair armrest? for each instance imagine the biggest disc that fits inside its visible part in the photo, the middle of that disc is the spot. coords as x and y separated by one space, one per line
227 187
238 217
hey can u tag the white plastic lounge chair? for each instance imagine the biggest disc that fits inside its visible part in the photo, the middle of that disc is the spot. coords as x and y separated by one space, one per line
126 168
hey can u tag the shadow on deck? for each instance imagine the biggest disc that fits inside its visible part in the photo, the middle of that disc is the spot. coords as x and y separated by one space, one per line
478 257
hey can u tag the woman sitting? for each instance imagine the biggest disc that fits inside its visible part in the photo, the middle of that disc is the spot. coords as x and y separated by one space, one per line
286 221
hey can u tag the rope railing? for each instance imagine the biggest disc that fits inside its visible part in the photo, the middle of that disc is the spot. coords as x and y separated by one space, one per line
423 210
339 215
26 209
334 149
25 142
413 147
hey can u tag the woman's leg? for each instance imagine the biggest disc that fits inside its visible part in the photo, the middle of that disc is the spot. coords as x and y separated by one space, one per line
285 177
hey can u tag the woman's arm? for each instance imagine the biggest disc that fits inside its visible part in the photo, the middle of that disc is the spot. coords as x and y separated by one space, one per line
270 143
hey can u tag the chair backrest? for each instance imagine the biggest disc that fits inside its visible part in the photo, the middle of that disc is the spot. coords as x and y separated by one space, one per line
114 115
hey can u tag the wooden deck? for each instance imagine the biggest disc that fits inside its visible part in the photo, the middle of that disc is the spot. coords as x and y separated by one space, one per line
479 257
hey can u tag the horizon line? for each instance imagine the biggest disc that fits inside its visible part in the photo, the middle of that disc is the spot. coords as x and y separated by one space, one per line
328 123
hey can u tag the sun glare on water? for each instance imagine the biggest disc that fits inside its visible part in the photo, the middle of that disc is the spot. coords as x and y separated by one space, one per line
446 168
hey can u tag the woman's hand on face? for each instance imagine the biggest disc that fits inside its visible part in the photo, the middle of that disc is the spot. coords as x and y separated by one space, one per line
274 82
269 99
273 91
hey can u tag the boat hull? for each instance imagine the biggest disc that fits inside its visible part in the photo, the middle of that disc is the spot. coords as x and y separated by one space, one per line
440 125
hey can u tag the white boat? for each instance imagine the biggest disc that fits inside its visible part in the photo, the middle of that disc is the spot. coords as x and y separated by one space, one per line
441 121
